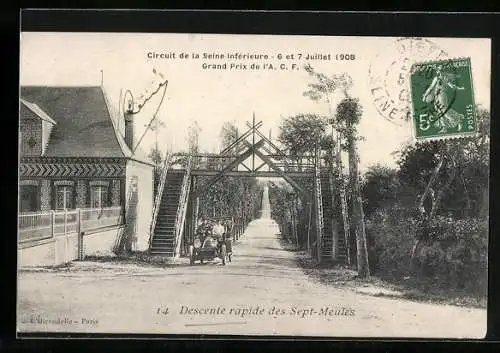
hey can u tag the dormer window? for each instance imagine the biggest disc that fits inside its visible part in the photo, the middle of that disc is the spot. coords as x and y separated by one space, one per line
36 127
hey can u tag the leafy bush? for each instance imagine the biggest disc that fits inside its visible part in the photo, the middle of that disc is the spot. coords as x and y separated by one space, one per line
453 252
391 239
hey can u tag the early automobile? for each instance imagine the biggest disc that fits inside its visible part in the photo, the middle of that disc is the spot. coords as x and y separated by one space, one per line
209 243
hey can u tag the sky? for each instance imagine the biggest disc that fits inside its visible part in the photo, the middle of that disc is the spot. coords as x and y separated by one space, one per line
213 96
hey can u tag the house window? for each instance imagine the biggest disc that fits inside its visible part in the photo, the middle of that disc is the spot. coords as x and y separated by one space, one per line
63 194
99 194
28 196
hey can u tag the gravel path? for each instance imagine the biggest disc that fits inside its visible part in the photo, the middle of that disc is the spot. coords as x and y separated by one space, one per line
262 292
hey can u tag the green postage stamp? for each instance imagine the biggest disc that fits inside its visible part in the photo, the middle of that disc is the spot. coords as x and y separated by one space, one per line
443 99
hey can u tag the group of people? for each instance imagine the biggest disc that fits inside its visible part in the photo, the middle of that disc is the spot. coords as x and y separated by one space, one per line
219 229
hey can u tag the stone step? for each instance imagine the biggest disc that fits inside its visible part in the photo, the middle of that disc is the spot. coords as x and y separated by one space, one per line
161 252
171 214
165 222
163 238
169 202
166 243
165 219
164 233
164 227
172 192
169 209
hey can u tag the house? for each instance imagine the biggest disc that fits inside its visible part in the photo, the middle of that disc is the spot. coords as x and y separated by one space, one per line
72 155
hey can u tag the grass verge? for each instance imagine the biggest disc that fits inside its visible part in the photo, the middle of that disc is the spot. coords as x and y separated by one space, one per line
409 288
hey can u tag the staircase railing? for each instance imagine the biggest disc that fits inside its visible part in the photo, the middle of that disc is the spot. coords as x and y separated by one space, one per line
158 196
319 206
182 208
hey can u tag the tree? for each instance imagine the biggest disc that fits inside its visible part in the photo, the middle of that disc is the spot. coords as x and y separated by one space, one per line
281 198
380 188
345 122
155 126
193 140
228 134
322 89
347 118
451 175
193 137
300 134
156 156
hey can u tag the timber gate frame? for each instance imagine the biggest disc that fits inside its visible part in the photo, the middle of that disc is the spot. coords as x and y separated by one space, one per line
231 162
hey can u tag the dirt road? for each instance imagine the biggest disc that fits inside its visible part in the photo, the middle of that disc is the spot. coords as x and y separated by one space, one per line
262 292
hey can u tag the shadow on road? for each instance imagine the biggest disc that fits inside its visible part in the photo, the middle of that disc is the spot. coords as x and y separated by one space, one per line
140 259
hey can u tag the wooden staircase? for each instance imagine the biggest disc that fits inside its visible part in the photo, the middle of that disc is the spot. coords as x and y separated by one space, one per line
164 237
328 216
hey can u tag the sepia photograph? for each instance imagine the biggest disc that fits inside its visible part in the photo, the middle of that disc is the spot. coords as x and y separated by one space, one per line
253 185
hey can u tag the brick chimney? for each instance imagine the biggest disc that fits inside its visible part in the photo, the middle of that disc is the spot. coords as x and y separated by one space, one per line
129 126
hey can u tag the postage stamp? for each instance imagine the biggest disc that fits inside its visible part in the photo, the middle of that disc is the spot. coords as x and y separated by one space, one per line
443 99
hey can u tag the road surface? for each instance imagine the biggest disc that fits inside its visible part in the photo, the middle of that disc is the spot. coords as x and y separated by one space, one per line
262 292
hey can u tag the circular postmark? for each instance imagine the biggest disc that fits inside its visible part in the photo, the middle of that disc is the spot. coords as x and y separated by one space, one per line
389 76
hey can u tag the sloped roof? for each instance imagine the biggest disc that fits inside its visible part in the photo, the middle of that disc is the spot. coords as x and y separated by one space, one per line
84 126
139 154
37 111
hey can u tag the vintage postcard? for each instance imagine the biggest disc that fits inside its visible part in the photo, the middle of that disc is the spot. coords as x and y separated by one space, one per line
255 185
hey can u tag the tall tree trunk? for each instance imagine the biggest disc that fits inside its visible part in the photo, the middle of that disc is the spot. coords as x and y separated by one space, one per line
432 180
420 205
358 215
437 200
343 200
351 197
335 223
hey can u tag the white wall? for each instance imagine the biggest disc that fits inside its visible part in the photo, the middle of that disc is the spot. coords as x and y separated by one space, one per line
102 242
64 248
46 130
144 175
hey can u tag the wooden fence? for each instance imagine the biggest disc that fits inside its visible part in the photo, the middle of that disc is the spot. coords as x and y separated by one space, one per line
43 225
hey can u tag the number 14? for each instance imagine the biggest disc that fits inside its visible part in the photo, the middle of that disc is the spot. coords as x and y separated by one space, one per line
163 311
